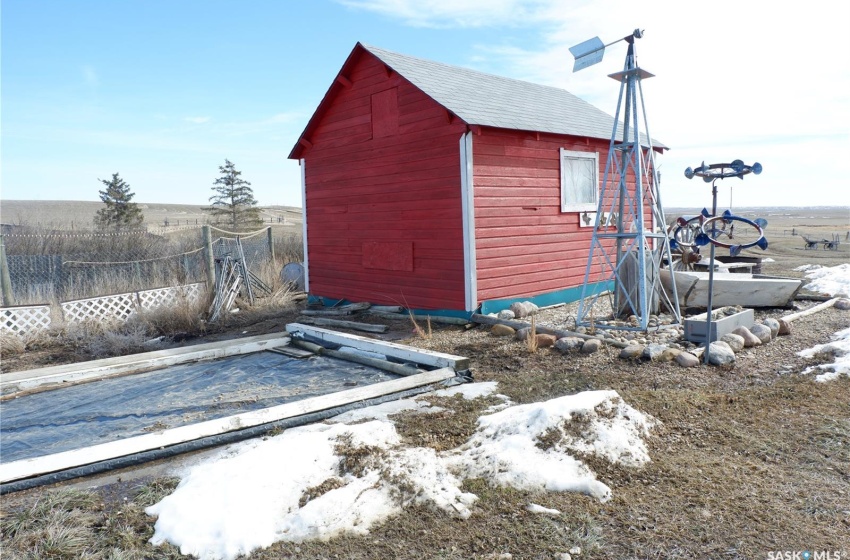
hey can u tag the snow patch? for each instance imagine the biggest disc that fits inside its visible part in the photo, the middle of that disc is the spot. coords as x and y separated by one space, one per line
840 348
300 484
469 391
832 280
534 508
505 450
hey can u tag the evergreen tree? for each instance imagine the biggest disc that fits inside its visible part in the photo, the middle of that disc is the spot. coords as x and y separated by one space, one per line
119 212
234 198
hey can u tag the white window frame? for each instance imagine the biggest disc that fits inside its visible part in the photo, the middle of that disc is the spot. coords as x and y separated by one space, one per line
580 206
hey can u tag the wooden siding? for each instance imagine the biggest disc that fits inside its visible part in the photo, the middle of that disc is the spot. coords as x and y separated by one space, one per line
525 245
383 175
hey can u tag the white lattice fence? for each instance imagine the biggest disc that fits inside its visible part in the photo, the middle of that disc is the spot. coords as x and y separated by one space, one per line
24 319
119 306
173 296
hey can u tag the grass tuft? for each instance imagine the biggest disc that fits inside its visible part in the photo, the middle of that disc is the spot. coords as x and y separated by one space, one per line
531 340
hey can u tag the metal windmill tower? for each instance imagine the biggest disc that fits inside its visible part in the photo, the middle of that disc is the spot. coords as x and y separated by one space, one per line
629 238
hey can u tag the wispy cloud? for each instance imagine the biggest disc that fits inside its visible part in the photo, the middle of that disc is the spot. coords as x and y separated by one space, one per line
197 120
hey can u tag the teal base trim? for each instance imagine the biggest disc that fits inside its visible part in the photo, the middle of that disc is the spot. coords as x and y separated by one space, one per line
567 295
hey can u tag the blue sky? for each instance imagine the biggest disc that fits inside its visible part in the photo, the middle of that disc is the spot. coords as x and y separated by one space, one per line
163 91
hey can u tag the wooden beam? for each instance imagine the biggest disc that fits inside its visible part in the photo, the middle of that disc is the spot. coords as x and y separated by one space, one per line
405 353
121 365
343 80
419 317
36 466
475 129
306 143
365 327
450 117
389 71
810 311
386 365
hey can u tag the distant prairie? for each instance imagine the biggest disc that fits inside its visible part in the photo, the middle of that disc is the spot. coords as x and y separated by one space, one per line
79 214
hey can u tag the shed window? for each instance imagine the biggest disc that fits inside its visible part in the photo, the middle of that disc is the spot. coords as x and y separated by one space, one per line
579 181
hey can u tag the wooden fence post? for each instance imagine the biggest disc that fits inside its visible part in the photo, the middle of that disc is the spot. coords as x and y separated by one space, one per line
5 279
271 243
208 258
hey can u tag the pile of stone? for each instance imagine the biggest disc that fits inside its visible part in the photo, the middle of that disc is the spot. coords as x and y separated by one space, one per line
663 341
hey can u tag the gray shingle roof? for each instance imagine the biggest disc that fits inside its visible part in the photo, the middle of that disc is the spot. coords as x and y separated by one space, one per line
489 100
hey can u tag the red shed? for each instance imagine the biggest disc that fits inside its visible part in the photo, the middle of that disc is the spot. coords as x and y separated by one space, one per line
436 187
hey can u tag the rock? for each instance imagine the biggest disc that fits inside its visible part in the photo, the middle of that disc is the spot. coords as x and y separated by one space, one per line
669 354
773 325
502 330
522 309
750 339
545 340
569 344
590 346
762 331
506 314
784 327
652 351
563 556
522 334
843 304
735 341
720 354
631 352
686 359
575 551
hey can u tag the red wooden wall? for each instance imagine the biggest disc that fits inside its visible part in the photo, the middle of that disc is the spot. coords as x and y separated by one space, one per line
383 196
525 245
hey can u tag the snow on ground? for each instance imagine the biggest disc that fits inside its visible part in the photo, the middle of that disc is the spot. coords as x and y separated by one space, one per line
833 281
504 448
292 486
840 348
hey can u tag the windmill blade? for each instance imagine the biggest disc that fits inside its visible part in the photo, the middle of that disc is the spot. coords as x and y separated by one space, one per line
588 53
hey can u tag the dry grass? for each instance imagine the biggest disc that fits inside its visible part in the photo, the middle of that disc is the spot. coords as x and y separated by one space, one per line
531 343
424 333
75 524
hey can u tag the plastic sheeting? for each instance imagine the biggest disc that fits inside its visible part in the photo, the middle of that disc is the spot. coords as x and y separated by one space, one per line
91 413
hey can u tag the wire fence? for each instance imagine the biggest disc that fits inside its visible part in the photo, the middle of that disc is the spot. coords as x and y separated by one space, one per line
54 265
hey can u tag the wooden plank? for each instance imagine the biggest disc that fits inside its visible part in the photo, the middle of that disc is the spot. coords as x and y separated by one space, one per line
420 317
387 308
810 311
732 289
365 327
405 353
292 352
97 369
392 367
27 468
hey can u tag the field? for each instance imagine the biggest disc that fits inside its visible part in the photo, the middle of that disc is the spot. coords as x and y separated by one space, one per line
75 214
747 460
